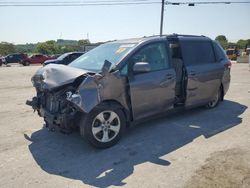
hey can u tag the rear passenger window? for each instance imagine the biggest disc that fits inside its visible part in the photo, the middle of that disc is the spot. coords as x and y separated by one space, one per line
197 52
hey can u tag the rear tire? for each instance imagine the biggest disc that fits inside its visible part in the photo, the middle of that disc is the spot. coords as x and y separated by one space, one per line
216 100
103 126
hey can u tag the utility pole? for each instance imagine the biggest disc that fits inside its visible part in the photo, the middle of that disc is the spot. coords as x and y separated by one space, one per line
191 4
162 16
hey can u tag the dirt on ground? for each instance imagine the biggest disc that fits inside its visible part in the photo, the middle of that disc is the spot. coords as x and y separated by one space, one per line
223 169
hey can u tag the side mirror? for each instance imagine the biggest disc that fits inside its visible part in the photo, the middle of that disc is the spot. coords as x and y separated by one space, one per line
141 67
106 67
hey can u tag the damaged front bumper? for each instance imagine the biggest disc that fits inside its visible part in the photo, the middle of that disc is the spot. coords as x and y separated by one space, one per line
59 114
55 88
58 122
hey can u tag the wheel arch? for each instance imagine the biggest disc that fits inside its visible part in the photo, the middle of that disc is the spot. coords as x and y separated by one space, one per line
117 104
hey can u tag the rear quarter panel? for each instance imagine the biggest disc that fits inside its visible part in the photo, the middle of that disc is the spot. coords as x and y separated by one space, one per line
226 80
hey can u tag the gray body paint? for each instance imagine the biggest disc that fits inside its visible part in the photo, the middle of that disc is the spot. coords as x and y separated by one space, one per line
64 91
98 88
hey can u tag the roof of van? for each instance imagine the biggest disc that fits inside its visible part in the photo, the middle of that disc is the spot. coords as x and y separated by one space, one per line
183 37
157 37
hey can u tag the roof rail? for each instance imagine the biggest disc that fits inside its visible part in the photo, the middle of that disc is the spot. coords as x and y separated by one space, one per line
155 36
182 35
175 35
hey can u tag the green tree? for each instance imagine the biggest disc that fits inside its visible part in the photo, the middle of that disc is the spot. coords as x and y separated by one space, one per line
83 42
48 47
68 48
242 44
232 45
25 48
6 48
222 40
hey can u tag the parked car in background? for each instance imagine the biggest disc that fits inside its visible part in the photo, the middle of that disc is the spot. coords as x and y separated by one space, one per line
1 60
14 58
127 81
232 53
248 51
36 59
55 56
64 59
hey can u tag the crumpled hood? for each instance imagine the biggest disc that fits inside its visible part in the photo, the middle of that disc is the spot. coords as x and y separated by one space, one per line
54 75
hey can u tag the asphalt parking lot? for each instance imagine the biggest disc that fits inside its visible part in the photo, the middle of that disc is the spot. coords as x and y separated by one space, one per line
196 148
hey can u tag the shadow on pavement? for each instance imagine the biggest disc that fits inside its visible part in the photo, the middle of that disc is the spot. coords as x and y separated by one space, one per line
69 156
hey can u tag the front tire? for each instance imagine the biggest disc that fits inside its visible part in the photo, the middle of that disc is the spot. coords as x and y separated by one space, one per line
103 126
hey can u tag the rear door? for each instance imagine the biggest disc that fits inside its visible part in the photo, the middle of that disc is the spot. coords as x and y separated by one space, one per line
152 92
204 73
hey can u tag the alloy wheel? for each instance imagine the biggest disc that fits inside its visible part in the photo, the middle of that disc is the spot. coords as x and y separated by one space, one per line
106 126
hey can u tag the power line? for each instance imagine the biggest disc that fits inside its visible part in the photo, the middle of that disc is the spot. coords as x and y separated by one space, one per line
74 5
79 2
205 3
67 4
105 3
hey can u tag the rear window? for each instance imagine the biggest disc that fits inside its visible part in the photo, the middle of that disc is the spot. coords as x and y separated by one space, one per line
197 52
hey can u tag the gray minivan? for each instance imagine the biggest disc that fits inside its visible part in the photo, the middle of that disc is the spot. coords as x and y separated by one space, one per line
126 81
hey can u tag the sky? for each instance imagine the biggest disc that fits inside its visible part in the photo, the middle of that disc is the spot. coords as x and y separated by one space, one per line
20 25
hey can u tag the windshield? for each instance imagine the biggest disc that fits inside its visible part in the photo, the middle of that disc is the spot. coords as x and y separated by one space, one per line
61 57
94 59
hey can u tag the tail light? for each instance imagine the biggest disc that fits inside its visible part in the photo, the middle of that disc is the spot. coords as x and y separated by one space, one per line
228 65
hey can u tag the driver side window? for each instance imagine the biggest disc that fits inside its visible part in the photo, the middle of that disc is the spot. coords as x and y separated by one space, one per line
155 54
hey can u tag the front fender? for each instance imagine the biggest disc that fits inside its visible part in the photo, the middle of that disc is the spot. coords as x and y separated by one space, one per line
96 89
87 95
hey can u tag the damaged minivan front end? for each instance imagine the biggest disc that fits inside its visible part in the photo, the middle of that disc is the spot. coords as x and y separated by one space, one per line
90 94
65 94
56 87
